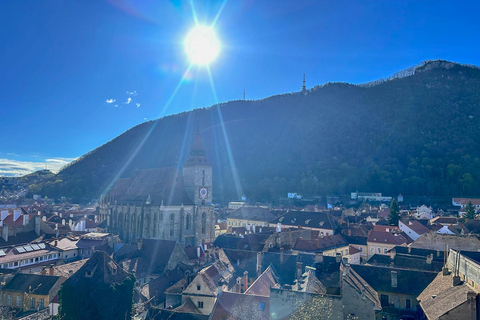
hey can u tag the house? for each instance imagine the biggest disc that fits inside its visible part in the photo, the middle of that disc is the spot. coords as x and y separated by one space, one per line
394 290
91 242
220 228
379 242
413 228
67 246
250 217
453 294
444 221
328 245
238 306
360 243
448 298
430 262
318 221
435 241
30 292
31 255
207 285
462 202
423 212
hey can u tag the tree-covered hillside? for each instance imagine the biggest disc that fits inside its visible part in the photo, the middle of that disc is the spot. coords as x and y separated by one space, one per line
416 135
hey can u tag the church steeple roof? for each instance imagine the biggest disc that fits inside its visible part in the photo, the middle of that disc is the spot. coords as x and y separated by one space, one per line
197 152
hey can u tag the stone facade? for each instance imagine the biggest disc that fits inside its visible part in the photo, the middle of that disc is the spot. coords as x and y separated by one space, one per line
164 203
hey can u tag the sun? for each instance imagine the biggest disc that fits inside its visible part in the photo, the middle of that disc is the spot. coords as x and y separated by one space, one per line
202 45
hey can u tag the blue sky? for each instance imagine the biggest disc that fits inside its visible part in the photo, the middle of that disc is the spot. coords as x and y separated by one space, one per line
62 60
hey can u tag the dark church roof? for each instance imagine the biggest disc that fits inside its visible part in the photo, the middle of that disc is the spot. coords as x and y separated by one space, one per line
197 153
161 185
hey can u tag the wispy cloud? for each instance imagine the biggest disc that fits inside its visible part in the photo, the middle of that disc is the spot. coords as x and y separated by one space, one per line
15 168
130 99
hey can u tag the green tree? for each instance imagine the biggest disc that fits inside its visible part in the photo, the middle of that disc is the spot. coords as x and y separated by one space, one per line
469 211
394 215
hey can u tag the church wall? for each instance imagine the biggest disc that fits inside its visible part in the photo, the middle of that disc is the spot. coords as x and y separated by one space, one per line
132 222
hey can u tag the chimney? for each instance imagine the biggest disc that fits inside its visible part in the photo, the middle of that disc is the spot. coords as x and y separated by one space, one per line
37 221
409 250
5 233
55 243
139 244
50 271
456 280
44 270
254 229
299 270
259 264
394 278
318 257
349 232
239 284
393 253
281 255
338 257
317 243
438 253
445 271
245 281
429 258
198 252
472 304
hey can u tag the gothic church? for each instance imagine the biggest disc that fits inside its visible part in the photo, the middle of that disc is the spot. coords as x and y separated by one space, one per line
164 203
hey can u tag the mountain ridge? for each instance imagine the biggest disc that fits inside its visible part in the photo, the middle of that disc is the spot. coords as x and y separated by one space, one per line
390 137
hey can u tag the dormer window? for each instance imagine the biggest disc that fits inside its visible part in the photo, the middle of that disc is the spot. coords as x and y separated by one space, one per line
88 274
198 288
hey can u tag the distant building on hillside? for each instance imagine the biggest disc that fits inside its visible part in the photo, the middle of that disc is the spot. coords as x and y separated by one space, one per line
369 196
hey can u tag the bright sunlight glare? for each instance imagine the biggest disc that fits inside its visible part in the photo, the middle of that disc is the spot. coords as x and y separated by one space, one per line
202 45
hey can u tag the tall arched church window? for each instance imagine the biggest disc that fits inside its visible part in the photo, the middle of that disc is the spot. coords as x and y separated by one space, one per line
187 222
203 178
172 225
204 222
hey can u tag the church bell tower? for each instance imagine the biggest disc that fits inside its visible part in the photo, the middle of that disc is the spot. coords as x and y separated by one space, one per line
197 174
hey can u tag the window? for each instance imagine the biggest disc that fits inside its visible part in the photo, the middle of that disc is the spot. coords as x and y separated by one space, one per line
379 250
41 305
204 222
187 222
384 300
198 287
408 304
9 299
261 306
32 303
385 250
372 250
200 304
19 301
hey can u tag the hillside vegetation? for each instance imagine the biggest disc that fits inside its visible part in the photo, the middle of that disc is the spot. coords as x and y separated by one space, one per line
415 135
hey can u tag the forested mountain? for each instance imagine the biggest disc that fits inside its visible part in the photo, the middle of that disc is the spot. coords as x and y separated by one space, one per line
415 135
